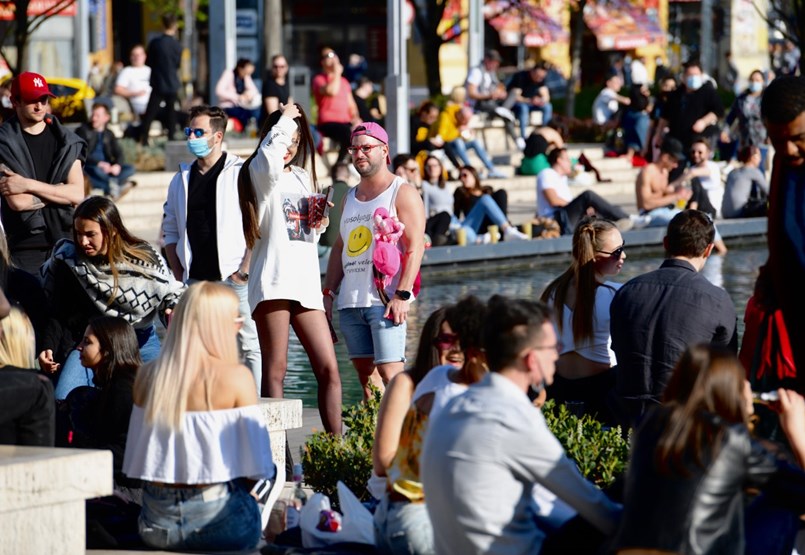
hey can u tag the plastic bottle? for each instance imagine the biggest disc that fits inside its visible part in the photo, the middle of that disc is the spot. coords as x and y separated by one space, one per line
297 500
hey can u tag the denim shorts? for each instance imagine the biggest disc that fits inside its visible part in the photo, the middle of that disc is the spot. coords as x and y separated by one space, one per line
220 517
369 335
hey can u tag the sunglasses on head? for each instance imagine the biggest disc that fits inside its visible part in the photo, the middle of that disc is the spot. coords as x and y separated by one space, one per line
617 252
196 132
444 341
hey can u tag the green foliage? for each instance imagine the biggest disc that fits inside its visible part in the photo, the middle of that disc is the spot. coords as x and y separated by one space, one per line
601 454
328 458
144 158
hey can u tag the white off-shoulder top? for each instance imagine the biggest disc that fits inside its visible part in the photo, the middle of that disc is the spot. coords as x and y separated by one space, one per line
212 447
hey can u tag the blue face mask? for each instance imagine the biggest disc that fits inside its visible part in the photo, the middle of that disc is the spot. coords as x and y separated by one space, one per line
693 82
200 148
755 86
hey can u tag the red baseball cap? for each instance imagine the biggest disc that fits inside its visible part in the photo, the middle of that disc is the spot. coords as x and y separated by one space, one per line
29 87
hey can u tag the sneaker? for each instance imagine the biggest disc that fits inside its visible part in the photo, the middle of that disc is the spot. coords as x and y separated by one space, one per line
624 224
496 174
484 239
514 234
639 222
520 142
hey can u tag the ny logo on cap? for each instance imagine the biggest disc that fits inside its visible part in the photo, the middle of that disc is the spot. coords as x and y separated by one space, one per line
38 82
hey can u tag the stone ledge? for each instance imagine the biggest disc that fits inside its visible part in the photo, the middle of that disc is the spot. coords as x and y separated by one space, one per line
42 494
36 476
281 414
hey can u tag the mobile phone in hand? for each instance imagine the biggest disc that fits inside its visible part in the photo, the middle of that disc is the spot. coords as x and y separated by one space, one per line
328 201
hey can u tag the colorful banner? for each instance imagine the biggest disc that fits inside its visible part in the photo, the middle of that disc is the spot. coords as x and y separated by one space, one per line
622 25
521 22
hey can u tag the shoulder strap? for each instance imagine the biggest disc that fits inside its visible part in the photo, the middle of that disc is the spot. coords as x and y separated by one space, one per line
393 204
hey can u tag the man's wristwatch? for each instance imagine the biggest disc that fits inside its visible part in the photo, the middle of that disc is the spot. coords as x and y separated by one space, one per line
404 295
243 276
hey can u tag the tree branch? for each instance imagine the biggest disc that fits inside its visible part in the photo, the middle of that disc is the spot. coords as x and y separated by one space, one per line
36 21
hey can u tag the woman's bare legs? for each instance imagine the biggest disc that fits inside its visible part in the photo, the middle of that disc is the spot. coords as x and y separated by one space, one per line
273 320
313 332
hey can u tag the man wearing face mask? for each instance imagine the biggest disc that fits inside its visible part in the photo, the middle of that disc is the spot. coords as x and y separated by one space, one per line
489 448
692 111
202 223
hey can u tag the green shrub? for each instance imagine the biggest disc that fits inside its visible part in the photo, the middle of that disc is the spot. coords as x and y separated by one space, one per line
601 454
328 458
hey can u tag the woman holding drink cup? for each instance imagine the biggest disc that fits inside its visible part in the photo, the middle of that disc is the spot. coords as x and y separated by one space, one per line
283 218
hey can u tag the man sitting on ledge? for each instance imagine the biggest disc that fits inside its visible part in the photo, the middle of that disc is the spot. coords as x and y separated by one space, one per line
555 200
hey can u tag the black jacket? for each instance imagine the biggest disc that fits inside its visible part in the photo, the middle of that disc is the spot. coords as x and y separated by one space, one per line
55 221
164 57
112 152
656 316
700 512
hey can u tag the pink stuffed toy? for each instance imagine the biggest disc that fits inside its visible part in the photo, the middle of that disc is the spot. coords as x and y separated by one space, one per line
386 256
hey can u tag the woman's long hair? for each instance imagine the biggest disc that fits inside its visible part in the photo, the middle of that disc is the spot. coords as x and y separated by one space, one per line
246 194
587 239
17 341
427 354
121 246
201 334
706 381
120 353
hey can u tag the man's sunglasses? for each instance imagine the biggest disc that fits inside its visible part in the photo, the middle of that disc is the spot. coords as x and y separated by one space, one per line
196 132
617 252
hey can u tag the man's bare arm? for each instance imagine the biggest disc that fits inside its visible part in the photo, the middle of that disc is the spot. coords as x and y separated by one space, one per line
647 198
553 198
21 192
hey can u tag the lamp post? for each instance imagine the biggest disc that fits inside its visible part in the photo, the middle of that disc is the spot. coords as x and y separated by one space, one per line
396 82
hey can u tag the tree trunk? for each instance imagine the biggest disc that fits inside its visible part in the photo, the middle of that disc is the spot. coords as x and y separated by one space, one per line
21 37
427 21
430 48
576 36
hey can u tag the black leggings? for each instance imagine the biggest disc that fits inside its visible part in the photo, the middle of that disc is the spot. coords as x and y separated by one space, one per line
577 208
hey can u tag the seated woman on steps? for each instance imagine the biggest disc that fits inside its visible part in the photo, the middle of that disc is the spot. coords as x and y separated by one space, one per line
480 207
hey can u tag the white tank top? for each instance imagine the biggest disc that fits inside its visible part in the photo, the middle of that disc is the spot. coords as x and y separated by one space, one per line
357 231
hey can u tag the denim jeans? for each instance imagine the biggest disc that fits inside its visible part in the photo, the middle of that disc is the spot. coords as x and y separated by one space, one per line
403 528
247 336
635 129
459 147
100 179
368 334
74 374
485 207
523 112
223 517
661 217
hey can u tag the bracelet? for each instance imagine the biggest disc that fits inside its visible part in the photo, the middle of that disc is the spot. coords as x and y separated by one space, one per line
329 292
243 275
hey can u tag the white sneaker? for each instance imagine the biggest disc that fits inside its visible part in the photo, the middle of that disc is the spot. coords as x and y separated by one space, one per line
484 239
514 234
520 142
639 222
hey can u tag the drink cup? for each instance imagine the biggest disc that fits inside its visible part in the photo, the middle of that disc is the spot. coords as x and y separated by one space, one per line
493 233
461 236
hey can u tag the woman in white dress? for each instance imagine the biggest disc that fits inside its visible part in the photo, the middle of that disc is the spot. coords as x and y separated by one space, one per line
285 286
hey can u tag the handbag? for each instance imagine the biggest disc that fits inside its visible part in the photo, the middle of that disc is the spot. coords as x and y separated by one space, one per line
757 205
766 352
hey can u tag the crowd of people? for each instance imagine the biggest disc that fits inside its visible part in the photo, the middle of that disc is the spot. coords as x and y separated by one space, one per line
463 461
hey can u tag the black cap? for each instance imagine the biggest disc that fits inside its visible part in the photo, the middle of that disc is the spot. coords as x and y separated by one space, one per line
672 147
